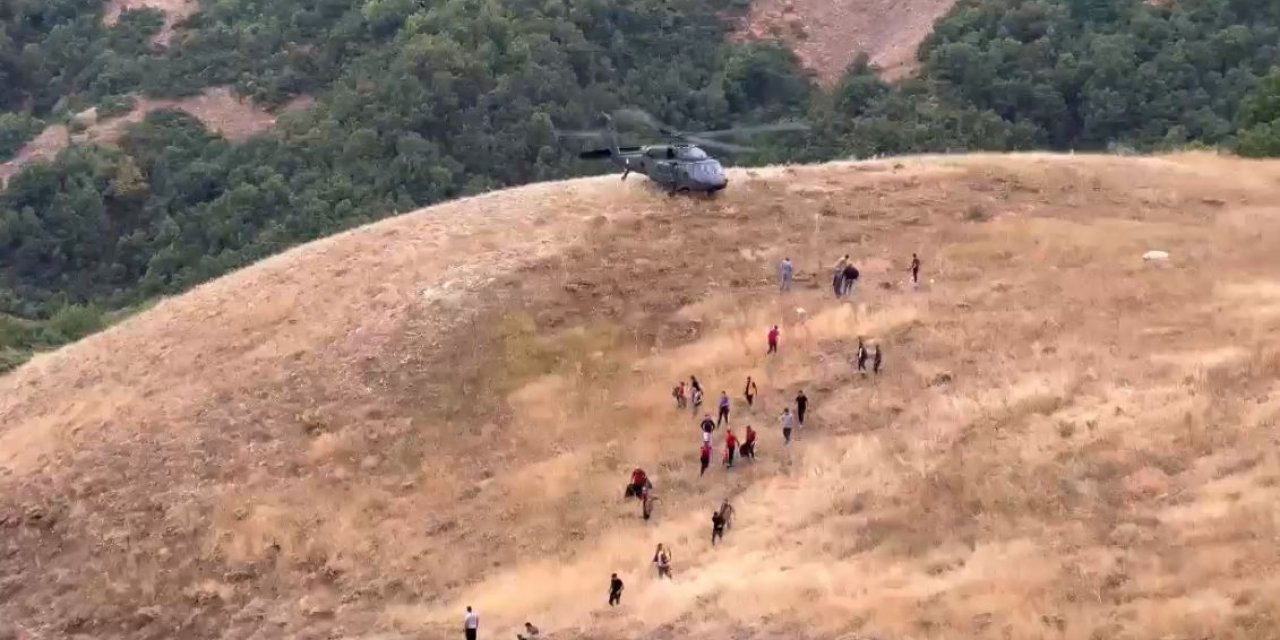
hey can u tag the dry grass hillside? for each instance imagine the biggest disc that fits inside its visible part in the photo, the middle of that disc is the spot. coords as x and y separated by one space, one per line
359 437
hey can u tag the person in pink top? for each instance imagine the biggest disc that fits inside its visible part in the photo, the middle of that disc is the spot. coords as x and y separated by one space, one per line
773 339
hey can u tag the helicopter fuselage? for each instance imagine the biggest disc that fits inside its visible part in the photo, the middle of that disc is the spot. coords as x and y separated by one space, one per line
675 167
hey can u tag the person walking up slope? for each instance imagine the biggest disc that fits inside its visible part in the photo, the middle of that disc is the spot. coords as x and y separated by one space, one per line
862 357
717 527
679 395
695 394
875 362
730 448
849 279
724 408
750 392
646 502
802 403
704 457
615 590
749 445
837 275
915 269
471 624
662 560
773 339
788 421
786 272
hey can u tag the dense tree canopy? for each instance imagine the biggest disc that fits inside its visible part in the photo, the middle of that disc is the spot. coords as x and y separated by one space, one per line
423 100
1260 126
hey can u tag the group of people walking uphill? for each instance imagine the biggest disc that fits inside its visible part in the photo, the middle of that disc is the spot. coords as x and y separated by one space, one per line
844 278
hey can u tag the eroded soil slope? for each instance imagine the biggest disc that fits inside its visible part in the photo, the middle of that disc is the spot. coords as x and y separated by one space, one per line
828 35
359 437
220 110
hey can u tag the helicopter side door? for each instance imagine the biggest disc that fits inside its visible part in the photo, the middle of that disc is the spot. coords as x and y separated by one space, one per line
663 172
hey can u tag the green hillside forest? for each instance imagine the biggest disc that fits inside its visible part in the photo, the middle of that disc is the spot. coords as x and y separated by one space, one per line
418 101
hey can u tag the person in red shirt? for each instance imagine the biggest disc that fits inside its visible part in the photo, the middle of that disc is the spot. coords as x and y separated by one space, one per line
639 480
749 445
730 447
773 339
705 457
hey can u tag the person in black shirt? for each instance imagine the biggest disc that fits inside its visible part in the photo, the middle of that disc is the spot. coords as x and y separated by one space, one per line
850 277
862 356
717 527
615 590
802 402
875 362
915 269
708 425
750 391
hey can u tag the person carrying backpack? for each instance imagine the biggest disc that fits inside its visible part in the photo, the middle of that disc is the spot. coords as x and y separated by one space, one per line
850 278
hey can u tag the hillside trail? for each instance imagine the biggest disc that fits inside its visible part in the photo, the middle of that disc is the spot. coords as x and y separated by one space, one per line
362 436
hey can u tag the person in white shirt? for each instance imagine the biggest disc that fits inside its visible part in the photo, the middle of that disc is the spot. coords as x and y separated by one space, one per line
471 624
788 422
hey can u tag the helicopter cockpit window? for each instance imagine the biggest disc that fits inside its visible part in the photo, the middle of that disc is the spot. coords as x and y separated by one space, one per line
707 171
691 153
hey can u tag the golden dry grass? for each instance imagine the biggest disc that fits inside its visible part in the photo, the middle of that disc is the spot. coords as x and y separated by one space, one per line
359 437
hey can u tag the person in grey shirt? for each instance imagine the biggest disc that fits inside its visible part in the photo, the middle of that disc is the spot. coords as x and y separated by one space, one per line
786 272
788 421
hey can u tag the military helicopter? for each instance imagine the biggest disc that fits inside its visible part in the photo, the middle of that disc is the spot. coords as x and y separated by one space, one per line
679 166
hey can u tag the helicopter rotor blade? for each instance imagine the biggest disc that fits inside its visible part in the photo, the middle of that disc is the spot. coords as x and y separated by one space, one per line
580 135
716 144
640 117
778 127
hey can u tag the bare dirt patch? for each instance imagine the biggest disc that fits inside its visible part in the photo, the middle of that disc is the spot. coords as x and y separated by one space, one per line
43 148
218 108
367 433
175 11
827 35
